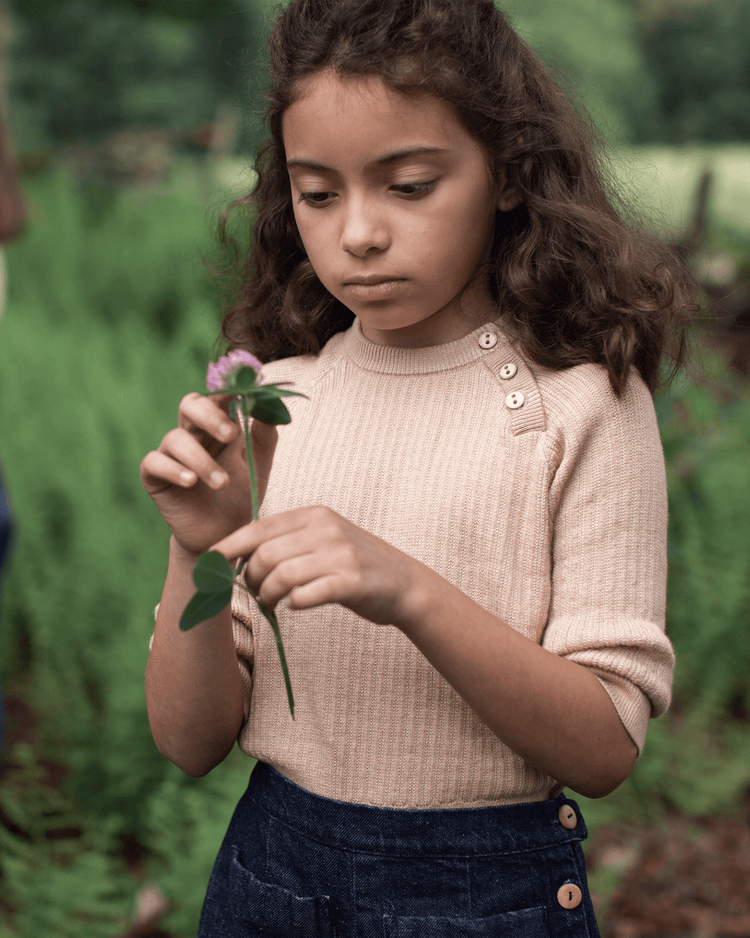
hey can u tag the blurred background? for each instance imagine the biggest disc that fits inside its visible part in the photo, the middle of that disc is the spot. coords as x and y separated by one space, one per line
135 122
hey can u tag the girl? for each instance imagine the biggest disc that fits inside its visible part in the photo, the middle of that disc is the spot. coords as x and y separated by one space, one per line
464 529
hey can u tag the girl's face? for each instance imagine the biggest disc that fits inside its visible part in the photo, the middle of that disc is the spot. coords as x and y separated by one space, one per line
395 206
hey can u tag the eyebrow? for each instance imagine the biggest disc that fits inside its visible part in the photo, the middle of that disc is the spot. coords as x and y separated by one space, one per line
386 160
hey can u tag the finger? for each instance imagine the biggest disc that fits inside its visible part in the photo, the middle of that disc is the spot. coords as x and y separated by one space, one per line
317 592
249 537
207 415
296 575
278 550
159 471
183 448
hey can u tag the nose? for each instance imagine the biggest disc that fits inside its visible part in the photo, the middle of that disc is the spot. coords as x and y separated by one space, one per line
364 227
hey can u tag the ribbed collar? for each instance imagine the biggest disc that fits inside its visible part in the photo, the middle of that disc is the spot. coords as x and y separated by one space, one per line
388 359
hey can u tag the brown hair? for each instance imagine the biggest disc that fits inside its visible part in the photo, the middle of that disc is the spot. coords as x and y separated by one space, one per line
573 282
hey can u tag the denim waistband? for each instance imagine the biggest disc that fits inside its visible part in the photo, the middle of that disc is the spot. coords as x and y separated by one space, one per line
475 832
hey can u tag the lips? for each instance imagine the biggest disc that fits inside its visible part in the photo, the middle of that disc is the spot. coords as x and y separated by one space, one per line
373 288
371 281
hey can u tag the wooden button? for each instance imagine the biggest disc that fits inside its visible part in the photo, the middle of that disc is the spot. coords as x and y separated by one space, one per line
568 817
569 896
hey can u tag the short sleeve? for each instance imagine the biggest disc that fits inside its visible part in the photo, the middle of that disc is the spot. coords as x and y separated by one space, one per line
609 507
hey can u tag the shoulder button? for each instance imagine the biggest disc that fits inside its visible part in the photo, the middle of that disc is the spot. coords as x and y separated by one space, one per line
488 340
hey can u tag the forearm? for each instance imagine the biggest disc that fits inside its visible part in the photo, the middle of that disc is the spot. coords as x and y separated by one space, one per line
551 711
194 691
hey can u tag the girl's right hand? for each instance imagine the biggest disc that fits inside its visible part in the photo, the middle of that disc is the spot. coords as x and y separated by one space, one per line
198 477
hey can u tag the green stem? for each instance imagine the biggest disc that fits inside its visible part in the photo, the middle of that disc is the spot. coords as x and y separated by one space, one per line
250 462
254 506
282 657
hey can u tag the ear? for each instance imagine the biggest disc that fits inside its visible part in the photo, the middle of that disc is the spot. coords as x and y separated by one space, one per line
507 198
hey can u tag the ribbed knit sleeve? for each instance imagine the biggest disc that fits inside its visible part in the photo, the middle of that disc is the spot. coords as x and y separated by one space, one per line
608 503
242 629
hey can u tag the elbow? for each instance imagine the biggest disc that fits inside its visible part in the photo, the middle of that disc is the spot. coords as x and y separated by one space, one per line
192 763
609 777
194 768
196 771
597 788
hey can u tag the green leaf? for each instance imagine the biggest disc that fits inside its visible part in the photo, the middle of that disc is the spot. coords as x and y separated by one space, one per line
262 394
276 391
204 606
270 411
213 573
259 390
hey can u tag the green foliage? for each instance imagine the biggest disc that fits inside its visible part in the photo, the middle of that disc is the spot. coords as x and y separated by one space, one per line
82 69
67 884
706 436
650 71
86 321
593 47
698 56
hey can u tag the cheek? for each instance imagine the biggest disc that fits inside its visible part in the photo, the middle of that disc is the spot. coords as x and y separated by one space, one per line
309 233
318 247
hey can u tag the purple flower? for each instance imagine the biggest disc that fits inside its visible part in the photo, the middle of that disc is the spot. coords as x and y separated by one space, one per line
220 372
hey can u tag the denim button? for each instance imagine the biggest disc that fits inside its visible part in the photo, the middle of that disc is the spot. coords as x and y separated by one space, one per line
568 817
569 896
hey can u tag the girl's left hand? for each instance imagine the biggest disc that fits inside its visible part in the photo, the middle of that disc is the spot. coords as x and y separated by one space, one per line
323 558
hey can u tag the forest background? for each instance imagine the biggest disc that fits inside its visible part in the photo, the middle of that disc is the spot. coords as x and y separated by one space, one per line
135 122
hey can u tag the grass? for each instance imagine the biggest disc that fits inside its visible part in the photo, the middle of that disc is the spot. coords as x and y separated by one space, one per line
663 182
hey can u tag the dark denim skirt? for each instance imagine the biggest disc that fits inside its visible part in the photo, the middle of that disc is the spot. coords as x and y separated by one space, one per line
296 865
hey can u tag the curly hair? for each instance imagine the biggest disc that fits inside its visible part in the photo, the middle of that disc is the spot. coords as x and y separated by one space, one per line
574 282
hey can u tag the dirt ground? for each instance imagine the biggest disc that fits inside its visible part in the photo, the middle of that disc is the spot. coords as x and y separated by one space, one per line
687 878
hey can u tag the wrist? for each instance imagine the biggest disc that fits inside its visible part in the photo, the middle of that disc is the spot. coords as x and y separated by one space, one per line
180 554
417 600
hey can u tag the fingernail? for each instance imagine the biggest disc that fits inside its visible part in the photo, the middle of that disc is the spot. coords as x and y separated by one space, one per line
225 429
187 477
217 479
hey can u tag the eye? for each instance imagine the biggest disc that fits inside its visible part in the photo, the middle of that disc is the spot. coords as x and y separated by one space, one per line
412 189
315 198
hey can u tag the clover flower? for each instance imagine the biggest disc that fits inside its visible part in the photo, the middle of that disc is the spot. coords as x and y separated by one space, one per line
220 373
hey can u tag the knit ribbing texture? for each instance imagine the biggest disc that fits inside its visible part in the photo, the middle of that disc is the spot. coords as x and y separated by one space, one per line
552 516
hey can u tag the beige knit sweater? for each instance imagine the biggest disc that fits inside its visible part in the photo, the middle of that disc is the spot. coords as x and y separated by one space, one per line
538 493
